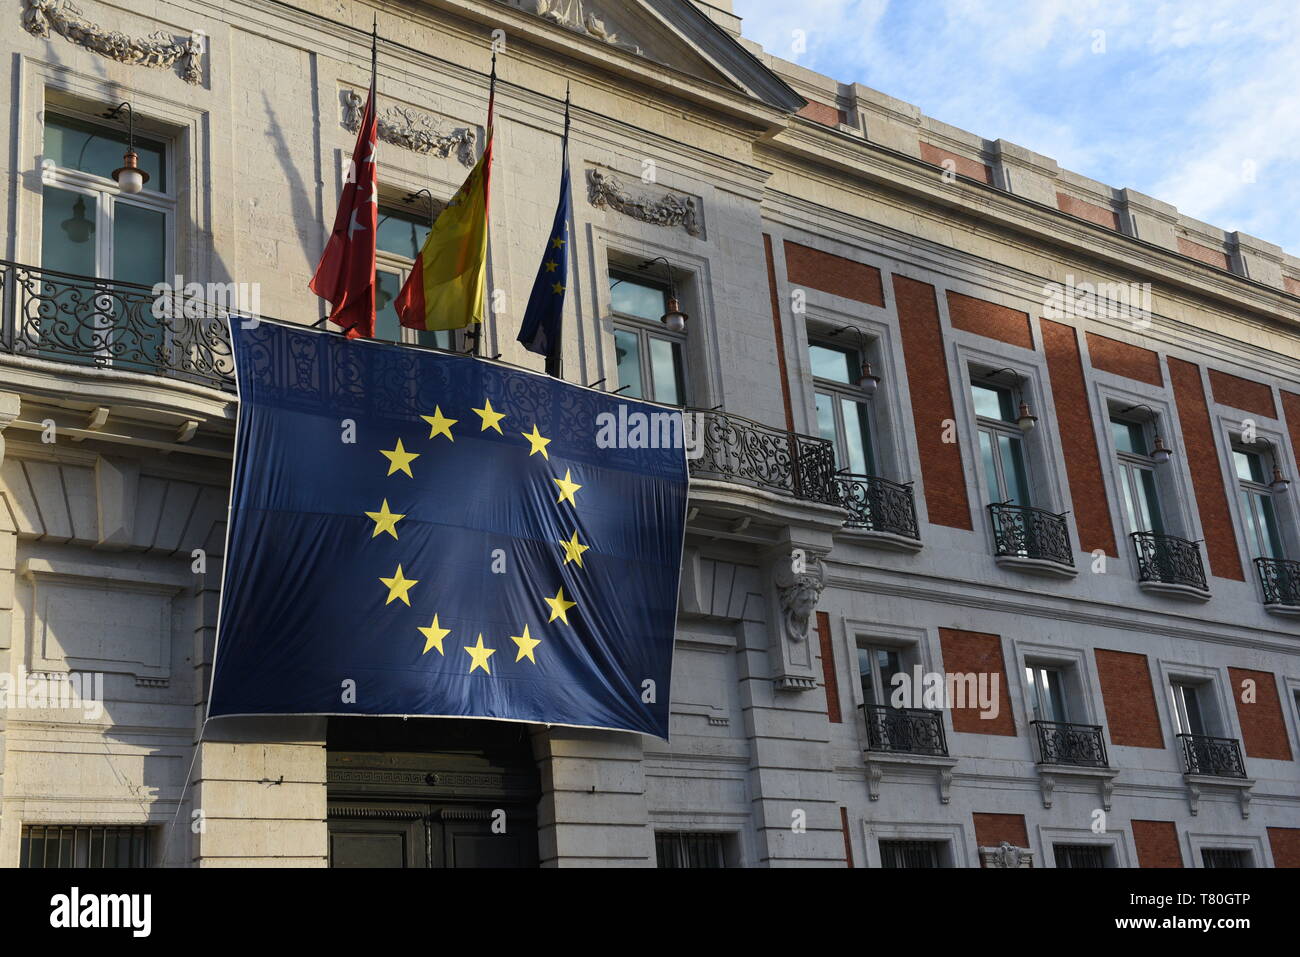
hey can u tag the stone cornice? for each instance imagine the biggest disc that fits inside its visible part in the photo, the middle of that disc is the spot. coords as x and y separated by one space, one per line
803 147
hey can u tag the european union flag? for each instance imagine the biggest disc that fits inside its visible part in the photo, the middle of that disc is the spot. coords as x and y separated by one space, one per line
422 533
543 319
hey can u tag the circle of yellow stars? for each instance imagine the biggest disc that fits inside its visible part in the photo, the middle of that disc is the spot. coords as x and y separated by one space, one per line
400 460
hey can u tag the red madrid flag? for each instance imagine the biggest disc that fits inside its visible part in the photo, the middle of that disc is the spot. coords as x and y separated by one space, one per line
346 274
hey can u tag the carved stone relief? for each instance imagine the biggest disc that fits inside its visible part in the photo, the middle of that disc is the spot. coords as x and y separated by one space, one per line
1005 855
605 191
160 49
412 130
581 16
799 592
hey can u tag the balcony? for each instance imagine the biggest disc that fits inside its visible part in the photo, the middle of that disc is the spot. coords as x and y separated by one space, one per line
1031 539
1078 745
112 325
881 511
1280 579
1211 757
741 451
905 730
1170 565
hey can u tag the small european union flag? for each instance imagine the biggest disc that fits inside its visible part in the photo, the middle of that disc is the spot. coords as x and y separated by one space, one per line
423 533
540 331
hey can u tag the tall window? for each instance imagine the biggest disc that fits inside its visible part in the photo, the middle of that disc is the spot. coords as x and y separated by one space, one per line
842 416
1257 505
401 237
1188 701
91 229
1047 692
70 845
1002 450
876 670
650 359
1137 476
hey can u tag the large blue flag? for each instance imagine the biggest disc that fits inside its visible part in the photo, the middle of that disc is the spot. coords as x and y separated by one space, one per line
422 533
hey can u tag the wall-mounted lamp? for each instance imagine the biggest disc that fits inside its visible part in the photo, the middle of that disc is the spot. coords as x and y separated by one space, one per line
130 178
867 380
1025 418
1160 453
1280 482
674 318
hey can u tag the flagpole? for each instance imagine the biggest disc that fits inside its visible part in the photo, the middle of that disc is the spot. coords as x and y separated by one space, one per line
487 186
554 357
374 58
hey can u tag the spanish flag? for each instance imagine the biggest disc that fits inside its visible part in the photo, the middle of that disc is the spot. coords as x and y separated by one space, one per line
447 288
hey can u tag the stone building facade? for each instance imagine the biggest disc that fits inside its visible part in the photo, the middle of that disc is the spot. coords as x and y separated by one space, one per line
1106 573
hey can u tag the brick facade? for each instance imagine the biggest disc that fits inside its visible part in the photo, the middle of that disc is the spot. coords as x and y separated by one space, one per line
1291 410
1202 253
962 165
831 682
990 319
805 266
1263 729
1120 358
1089 211
1131 715
992 829
1074 417
1157 844
1284 842
778 331
944 477
1200 448
970 652
1242 394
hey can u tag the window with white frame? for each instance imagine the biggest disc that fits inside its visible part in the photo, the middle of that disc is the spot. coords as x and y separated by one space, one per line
1083 855
1263 537
1193 709
1049 695
90 229
1226 857
402 233
877 665
650 360
843 416
909 854
1137 475
1002 451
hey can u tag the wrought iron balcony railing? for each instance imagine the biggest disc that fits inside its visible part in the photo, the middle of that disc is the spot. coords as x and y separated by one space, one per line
1060 742
1280 578
737 449
1220 757
905 730
1022 531
1167 560
878 505
106 323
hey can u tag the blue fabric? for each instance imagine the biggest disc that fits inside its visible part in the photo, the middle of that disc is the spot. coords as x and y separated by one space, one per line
304 615
540 330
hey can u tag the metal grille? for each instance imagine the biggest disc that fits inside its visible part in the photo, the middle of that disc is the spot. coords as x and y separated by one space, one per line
71 845
911 853
1169 560
1204 754
1224 857
906 730
1079 855
878 505
678 849
1060 742
1021 531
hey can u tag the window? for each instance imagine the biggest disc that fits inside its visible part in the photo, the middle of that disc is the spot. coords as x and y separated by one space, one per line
1002 452
876 669
1225 857
1189 707
842 416
1137 476
1257 509
1081 855
649 358
687 849
401 237
1047 693
71 845
912 853
90 228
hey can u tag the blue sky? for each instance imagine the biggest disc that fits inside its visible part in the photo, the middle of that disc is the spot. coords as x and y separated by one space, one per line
1195 102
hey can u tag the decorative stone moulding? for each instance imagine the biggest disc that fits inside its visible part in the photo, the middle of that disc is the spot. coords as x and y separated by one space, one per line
581 16
158 50
412 130
605 191
1006 855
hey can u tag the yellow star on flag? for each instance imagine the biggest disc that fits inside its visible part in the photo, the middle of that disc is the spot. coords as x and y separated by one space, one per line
480 655
398 586
434 635
439 424
526 643
552 265
557 288
557 242
400 460
538 443
567 487
559 607
573 551
385 521
491 418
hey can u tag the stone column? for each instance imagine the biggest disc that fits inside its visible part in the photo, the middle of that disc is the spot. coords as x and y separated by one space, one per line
593 808
10 405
